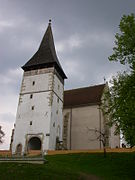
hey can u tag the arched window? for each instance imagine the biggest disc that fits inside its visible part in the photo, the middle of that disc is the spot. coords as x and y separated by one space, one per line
19 149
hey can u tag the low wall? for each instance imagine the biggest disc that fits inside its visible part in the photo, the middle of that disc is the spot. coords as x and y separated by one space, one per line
53 152
49 152
22 159
9 153
5 153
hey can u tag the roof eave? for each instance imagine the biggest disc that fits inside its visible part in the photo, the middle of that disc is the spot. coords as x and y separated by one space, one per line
45 65
82 105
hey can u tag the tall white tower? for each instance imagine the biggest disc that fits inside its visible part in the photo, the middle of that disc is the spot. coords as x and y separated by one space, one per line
39 119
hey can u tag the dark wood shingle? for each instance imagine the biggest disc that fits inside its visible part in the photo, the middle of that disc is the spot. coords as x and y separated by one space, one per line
46 55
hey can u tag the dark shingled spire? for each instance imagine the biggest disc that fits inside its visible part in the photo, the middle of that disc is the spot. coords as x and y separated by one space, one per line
46 55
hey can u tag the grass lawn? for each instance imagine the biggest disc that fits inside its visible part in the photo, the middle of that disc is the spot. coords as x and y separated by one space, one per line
74 166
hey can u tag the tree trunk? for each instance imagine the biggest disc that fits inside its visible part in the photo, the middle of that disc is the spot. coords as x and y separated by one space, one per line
104 152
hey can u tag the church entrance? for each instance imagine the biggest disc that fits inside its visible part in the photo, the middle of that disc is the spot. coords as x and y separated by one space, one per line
34 143
19 149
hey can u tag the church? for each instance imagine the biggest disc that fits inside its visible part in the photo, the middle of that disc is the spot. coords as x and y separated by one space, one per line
49 118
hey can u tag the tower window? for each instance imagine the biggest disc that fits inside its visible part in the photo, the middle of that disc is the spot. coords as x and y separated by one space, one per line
32 108
30 122
58 86
31 96
33 83
57 100
54 124
57 112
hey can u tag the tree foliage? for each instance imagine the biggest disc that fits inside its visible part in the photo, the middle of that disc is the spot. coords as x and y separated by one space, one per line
2 134
121 105
124 50
121 98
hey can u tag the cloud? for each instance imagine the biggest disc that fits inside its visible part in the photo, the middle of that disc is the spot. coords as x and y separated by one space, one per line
73 69
9 90
8 102
10 77
7 128
71 43
8 106
10 84
5 25
13 23
87 43
99 38
7 117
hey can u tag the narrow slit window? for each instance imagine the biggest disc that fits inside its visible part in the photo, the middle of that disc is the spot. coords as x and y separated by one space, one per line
33 83
32 108
31 96
30 122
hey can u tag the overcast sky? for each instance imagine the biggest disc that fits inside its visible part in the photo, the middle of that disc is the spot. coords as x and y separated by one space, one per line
83 30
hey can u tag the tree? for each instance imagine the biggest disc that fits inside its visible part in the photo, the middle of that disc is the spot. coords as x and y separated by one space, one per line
121 105
121 98
124 50
2 134
100 135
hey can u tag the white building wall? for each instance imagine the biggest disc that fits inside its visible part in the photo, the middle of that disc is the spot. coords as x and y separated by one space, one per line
114 139
84 118
56 125
80 120
45 105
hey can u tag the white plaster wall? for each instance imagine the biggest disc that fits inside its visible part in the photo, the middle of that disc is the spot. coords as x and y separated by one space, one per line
114 139
58 87
57 115
105 127
81 119
80 136
42 83
48 104
40 116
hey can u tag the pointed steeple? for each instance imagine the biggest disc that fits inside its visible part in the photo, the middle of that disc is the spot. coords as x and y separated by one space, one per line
46 55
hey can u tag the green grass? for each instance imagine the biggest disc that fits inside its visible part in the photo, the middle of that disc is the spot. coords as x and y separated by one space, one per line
74 166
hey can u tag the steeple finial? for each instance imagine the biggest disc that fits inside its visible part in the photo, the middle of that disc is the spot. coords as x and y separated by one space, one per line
50 22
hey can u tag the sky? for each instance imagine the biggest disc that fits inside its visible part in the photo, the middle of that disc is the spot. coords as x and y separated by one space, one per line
84 34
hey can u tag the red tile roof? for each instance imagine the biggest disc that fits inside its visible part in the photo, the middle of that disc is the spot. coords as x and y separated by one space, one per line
83 96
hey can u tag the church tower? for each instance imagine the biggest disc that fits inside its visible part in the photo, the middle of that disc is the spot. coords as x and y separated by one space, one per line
39 119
